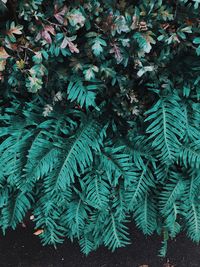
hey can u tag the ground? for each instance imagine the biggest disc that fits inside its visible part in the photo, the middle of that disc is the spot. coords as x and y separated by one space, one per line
21 248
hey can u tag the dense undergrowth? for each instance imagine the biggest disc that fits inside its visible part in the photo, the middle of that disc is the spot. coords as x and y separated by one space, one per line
100 119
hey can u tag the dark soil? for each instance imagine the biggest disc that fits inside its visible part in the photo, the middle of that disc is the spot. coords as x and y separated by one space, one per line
21 248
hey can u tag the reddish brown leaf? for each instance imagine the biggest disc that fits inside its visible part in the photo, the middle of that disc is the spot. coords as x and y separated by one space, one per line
73 48
50 29
38 232
3 54
59 14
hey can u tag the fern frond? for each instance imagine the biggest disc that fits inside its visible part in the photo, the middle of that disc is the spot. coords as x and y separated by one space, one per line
193 185
119 204
41 157
171 192
86 244
163 249
166 128
145 214
18 208
76 218
171 223
84 95
97 190
144 180
115 234
190 154
76 154
116 164
161 172
53 235
46 213
191 121
192 218
140 151
13 156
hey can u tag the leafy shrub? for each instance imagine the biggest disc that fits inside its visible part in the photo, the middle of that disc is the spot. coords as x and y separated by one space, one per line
100 119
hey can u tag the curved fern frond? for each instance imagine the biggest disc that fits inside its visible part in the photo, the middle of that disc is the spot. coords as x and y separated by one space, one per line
171 219
119 204
76 154
192 218
144 180
117 164
190 154
115 234
166 128
84 95
76 218
145 214
86 244
13 152
140 151
171 192
97 190
46 213
191 120
193 185
18 208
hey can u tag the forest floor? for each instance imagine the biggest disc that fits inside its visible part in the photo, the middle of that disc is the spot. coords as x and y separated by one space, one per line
21 248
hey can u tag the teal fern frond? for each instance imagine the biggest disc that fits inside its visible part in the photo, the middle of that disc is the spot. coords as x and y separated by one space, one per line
84 95
191 121
145 214
13 212
143 182
86 244
140 150
76 154
166 127
190 154
76 217
171 192
97 189
115 234
119 203
41 158
192 218
193 185
46 213
171 219
116 164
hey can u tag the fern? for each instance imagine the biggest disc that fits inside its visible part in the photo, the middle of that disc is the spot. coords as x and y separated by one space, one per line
119 203
100 120
115 234
84 95
76 153
116 164
192 218
142 183
166 128
190 154
171 192
145 215
14 211
86 245
76 217
193 185
97 190
171 221
191 120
